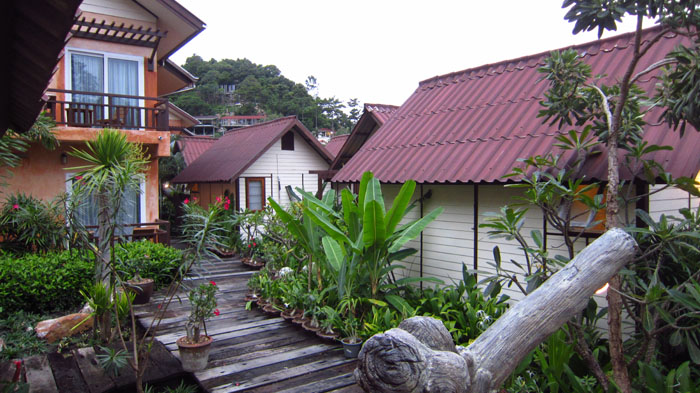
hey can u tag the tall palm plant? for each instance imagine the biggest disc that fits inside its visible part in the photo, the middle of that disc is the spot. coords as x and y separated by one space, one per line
113 168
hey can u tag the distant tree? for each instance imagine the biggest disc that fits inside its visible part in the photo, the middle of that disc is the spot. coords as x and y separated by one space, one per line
192 103
354 107
261 89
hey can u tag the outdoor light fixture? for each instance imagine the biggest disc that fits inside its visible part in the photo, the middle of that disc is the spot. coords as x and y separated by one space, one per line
602 290
64 158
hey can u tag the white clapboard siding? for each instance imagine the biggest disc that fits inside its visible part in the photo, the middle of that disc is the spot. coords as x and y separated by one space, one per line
447 241
285 167
120 8
669 201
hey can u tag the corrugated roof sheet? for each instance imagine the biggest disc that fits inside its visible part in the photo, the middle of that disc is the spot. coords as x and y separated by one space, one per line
234 152
373 117
193 146
336 143
474 125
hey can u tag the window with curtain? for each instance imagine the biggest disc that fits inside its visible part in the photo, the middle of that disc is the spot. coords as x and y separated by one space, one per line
255 193
87 74
123 78
129 212
107 74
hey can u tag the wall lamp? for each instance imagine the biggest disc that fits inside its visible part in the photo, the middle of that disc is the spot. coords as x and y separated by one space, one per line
64 158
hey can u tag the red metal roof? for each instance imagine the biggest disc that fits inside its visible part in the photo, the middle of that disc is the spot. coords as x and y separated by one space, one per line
234 152
336 143
373 117
244 117
193 146
473 125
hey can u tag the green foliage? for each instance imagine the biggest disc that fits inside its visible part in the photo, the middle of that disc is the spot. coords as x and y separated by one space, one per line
203 306
28 224
112 360
43 283
464 308
17 329
149 260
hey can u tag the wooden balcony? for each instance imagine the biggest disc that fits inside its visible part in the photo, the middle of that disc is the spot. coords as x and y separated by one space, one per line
74 108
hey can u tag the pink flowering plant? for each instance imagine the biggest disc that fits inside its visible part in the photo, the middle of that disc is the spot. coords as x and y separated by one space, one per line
203 302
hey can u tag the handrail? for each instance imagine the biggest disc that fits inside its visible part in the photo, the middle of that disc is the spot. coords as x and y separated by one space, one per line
94 93
103 114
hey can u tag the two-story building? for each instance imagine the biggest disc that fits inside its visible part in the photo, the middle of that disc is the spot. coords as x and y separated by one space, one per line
114 73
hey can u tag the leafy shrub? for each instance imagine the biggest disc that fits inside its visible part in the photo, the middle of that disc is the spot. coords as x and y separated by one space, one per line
465 310
149 260
30 224
43 283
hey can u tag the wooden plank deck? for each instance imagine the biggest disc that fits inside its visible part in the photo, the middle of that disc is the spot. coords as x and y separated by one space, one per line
254 351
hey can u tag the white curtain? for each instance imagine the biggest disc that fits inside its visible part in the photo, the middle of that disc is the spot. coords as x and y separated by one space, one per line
129 213
124 79
87 74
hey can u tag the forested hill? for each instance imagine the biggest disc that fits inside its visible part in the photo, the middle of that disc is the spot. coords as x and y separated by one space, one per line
242 87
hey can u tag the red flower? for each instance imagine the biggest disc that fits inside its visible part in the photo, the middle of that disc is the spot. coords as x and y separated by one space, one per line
254 244
159 306
249 246
218 199
212 283
226 206
78 177
187 200
216 312
15 206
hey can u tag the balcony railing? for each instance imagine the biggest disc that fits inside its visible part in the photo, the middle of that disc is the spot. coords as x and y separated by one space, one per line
101 110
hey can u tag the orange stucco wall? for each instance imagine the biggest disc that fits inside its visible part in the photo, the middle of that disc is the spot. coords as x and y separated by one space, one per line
42 175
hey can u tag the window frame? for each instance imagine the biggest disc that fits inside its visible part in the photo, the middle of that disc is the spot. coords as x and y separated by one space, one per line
248 180
105 73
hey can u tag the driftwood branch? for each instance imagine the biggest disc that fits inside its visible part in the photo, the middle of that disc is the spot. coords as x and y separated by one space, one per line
419 355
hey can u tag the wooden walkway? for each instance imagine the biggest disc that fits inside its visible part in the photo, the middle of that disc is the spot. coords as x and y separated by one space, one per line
254 351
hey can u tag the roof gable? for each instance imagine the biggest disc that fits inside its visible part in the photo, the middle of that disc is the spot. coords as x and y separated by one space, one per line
237 150
474 125
373 117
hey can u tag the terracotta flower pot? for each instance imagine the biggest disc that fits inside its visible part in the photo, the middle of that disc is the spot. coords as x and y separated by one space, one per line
142 288
308 325
194 357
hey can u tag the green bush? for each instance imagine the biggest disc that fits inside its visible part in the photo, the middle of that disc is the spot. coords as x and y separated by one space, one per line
149 260
43 283
28 224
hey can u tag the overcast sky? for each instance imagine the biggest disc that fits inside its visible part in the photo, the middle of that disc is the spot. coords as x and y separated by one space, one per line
377 51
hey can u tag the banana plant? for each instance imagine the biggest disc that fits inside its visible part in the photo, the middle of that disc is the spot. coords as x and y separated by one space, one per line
307 233
373 239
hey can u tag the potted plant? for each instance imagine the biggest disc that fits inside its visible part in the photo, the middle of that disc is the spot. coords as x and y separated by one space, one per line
141 287
352 343
194 348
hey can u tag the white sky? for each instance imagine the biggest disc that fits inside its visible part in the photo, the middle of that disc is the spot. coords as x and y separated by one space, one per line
378 51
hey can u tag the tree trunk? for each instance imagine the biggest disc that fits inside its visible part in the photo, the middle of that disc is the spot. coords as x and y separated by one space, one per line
394 362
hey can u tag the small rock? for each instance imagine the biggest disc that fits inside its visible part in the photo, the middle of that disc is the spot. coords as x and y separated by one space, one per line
86 309
55 329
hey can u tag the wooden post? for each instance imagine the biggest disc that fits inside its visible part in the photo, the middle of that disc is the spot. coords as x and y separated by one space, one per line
414 358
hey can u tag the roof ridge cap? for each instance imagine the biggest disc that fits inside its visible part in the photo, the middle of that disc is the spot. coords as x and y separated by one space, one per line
436 78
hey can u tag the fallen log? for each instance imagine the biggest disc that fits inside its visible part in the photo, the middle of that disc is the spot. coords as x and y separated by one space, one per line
419 355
